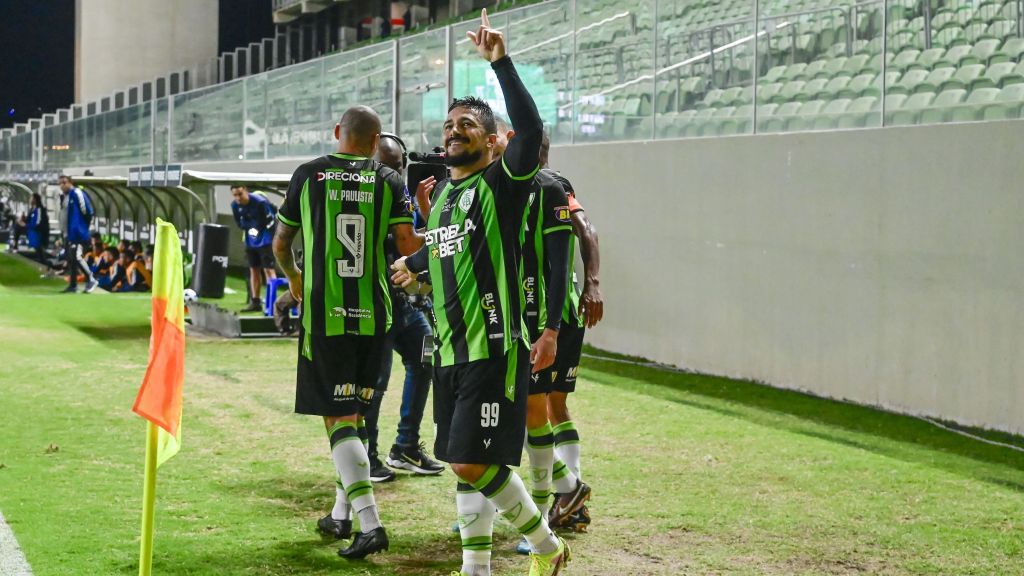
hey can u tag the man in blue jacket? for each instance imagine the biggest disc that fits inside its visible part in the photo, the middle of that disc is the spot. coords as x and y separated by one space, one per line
76 213
256 216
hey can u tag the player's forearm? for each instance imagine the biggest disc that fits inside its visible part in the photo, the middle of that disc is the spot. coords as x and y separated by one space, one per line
589 249
417 262
556 277
282 247
521 156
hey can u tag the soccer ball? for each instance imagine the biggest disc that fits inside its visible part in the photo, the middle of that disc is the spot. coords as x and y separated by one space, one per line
190 296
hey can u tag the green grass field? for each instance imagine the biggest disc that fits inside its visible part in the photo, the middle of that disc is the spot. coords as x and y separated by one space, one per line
691 474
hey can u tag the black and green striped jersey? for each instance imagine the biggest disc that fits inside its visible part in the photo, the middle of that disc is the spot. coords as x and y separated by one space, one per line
345 205
548 212
473 243
570 312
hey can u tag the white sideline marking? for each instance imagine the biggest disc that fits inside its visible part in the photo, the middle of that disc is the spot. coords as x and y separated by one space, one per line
12 560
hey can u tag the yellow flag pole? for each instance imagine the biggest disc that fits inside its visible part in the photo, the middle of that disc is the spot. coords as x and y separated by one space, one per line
148 502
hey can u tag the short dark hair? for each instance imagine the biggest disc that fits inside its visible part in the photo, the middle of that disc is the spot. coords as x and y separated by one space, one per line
96 236
361 124
66 177
238 185
545 146
482 109
114 252
128 254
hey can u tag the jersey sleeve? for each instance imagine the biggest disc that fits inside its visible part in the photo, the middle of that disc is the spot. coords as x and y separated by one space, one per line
400 211
555 209
574 204
291 210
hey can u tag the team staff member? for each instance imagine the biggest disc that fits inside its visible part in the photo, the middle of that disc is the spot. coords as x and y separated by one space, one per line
344 203
481 368
37 227
255 215
76 215
407 334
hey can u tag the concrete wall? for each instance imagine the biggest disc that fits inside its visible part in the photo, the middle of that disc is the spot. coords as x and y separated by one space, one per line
119 43
880 266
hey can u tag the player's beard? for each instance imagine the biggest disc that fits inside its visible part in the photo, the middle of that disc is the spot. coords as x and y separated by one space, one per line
464 159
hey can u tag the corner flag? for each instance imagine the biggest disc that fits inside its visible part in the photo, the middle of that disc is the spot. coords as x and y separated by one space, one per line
159 398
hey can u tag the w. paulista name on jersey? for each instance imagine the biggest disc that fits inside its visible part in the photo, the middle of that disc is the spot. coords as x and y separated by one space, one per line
345 205
473 245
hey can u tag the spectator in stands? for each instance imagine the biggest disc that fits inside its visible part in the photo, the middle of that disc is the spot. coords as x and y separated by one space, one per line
76 215
17 231
37 227
256 216
119 277
139 278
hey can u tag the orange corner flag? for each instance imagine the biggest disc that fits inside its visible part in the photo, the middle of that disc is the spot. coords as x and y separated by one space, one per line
159 399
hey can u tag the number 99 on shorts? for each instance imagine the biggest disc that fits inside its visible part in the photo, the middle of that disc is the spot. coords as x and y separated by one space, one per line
489 414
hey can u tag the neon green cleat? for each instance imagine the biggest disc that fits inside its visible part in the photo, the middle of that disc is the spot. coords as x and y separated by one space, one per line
550 564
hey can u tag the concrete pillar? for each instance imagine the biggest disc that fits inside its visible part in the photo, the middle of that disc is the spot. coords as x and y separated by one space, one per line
119 43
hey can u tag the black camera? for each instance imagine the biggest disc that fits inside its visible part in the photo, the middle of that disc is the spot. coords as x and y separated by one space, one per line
424 166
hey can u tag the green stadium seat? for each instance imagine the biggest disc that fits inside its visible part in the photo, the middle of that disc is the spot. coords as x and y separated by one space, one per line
777 121
908 82
988 11
711 99
696 125
952 57
896 26
974 107
714 125
831 114
835 86
1007 105
1009 11
1010 51
665 102
789 92
855 64
905 59
910 110
976 32
804 119
964 77
767 92
814 70
981 52
773 74
1002 29
928 58
935 80
1002 74
948 37
940 20
793 72
858 114
813 90
730 96
942 106
834 66
739 123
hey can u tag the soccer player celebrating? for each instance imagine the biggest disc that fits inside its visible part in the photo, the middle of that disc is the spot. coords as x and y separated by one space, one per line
481 371
344 203
579 312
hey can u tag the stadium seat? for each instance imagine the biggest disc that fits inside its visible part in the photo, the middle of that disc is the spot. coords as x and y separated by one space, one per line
830 115
862 112
976 32
964 77
835 86
773 74
928 58
981 52
793 72
856 64
815 70
905 59
711 99
974 107
766 93
714 125
739 123
695 127
935 80
789 92
1010 51
1007 105
1002 75
1001 29
948 37
813 90
941 109
952 57
777 121
835 66
910 110
804 118
908 82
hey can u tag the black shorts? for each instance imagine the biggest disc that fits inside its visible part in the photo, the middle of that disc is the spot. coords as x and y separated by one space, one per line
262 257
480 409
340 378
561 376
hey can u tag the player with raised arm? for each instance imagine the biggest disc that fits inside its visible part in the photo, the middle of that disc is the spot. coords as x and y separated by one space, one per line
344 204
481 366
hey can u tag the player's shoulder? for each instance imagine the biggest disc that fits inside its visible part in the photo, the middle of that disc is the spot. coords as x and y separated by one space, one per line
311 167
560 178
391 176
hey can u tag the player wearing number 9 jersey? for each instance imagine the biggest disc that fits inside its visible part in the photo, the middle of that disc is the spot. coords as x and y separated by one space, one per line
344 204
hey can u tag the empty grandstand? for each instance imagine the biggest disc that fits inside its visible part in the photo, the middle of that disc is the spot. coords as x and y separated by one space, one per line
605 71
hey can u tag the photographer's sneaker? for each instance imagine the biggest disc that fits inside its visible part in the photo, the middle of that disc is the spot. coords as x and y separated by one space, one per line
414 459
379 472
